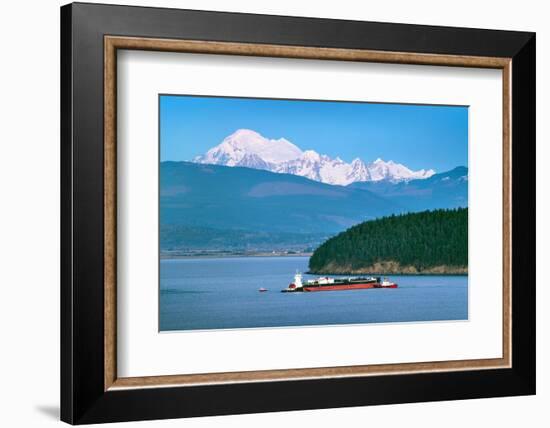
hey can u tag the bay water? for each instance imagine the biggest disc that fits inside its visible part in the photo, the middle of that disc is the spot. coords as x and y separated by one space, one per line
222 293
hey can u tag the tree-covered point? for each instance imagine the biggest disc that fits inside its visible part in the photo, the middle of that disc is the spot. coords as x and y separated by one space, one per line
425 242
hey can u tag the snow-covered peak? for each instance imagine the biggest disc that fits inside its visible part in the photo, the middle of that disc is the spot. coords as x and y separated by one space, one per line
311 155
247 148
392 171
244 133
248 142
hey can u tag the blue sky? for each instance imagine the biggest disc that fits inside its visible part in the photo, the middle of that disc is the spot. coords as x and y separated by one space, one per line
418 136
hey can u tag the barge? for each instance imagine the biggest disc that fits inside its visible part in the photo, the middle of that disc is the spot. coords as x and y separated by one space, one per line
333 284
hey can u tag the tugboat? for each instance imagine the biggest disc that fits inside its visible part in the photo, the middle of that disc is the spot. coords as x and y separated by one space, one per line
332 284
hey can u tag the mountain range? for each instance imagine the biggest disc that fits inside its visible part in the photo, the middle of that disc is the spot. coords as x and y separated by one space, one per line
256 194
444 190
215 207
247 148
238 198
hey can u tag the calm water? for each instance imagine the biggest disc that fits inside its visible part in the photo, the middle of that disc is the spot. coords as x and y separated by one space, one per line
223 293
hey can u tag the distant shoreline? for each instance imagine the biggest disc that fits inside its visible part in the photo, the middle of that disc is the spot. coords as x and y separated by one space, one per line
230 256
279 255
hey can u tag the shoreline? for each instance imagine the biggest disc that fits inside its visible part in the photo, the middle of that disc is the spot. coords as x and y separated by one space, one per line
390 267
388 273
230 256
435 272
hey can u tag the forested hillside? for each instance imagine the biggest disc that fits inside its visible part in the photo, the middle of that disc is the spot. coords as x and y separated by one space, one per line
426 242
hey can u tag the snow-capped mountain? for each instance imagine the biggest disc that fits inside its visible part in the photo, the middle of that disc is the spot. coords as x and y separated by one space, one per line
380 170
249 149
324 169
250 146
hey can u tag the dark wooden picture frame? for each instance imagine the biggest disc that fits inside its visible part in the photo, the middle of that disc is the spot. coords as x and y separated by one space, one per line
90 389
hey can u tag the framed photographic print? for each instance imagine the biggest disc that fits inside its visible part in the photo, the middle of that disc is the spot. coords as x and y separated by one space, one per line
266 213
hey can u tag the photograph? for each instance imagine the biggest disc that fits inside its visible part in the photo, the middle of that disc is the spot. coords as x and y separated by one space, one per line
294 212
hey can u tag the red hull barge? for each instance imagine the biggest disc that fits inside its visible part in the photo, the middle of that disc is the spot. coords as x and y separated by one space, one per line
348 287
334 284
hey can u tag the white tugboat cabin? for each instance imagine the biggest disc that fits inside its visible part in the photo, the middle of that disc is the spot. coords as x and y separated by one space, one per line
296 284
